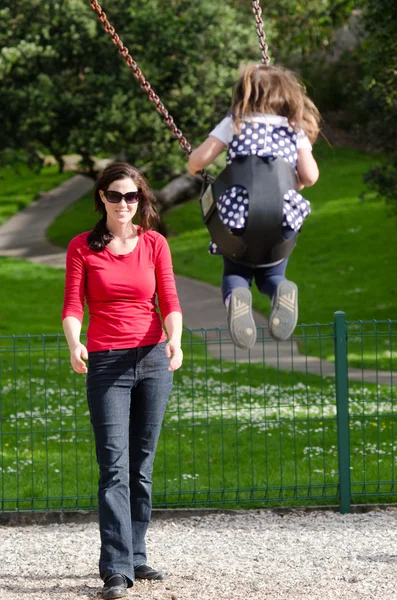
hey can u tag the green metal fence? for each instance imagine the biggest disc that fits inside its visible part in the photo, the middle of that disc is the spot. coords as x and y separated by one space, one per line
269 427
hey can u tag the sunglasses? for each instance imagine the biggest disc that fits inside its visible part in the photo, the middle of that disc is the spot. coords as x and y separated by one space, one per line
115 197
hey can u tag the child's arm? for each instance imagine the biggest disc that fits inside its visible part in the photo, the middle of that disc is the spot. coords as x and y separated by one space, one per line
307 168
205 154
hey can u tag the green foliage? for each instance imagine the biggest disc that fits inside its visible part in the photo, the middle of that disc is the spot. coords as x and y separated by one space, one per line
66 89
380 97
305 27
335 88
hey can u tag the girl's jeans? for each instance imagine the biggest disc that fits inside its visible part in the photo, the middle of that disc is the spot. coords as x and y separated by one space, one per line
266 278
127 393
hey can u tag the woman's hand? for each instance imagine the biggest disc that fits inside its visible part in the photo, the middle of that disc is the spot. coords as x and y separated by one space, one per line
173 351
77 357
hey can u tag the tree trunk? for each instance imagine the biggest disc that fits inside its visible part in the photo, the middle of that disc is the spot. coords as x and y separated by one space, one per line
179 190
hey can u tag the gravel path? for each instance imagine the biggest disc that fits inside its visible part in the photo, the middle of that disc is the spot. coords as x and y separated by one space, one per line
233 556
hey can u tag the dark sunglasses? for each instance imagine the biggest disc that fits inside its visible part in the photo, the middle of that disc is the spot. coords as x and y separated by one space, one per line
115 197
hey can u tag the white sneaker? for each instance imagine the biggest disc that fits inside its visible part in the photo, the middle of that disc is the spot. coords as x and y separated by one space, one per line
284 313
240 320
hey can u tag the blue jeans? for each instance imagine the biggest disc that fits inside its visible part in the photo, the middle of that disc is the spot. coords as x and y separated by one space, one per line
266 278
127 393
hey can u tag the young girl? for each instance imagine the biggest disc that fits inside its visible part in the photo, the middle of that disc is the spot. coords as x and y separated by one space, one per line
271 116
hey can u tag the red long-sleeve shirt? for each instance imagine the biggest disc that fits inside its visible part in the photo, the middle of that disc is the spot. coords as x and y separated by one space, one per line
120 291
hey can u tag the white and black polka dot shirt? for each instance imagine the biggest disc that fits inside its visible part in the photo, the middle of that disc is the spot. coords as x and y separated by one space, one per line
263 135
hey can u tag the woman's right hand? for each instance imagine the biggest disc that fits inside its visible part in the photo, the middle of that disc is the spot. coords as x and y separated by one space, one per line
78 355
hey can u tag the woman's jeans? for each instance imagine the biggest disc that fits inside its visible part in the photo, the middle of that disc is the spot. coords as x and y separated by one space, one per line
127 393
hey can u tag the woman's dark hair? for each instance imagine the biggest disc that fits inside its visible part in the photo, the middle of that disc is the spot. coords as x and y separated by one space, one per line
147 212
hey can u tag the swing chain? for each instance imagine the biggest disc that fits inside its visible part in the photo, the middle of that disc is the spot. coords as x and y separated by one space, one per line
256 9
145 85
147 88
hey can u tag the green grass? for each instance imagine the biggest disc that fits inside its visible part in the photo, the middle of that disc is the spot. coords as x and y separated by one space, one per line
346 245
18 188
233 435
31 298
76 218
343 261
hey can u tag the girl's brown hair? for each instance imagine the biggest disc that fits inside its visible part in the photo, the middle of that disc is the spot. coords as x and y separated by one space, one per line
276 91
147 212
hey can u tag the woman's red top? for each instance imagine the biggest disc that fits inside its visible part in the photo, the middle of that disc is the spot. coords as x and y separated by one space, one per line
121 291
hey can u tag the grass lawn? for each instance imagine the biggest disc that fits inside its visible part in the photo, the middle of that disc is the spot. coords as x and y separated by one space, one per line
343 261
233 435
341 252
20 187
77 217
31 298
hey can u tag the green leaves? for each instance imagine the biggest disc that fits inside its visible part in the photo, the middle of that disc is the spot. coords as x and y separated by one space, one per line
66 87
380 93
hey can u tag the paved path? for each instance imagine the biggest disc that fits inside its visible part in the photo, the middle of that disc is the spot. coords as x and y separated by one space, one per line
23 236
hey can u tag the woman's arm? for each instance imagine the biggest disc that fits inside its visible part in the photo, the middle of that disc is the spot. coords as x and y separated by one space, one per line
168 301
173 350
205 154
78 352
307 168
73 305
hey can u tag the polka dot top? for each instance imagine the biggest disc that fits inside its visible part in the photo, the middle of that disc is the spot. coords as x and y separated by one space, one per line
263 135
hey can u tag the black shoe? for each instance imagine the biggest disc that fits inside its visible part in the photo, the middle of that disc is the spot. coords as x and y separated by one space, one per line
115 586
146 572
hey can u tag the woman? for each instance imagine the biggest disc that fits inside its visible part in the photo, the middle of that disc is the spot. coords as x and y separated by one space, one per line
120 269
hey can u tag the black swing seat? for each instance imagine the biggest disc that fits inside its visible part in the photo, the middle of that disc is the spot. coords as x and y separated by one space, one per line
266 181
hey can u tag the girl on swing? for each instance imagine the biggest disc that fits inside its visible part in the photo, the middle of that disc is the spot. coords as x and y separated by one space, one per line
270 116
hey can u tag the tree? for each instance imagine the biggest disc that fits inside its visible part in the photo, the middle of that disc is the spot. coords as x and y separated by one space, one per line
302 28
380 93
66 89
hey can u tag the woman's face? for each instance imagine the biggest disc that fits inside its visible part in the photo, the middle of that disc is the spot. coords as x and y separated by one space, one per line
122 212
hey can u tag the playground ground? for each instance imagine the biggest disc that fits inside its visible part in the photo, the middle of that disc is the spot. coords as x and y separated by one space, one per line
243 555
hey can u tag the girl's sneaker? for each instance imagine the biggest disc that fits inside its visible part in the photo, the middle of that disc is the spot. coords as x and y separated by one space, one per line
240 320
284 313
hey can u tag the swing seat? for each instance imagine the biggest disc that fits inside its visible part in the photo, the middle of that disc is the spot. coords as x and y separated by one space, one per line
266 180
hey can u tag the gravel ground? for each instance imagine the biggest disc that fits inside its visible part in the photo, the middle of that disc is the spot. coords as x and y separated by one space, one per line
244 555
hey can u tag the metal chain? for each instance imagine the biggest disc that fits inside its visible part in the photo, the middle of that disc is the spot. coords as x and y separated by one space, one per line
256 9
145 85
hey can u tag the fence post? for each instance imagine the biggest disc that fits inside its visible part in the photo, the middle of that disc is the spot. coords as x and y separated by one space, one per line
342 410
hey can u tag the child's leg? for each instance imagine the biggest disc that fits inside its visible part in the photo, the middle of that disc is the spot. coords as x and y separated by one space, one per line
268 279
234 276
284 296
236 281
